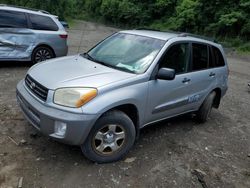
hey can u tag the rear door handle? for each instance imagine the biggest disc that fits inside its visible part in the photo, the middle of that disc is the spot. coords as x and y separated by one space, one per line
212 74
186 80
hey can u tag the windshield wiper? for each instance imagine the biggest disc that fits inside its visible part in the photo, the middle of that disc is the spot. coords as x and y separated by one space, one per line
89 57
123 69
86 55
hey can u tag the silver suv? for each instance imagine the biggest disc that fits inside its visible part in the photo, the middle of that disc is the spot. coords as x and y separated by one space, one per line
30 35
101 99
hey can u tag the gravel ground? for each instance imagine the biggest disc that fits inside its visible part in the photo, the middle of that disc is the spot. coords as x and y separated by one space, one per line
174 153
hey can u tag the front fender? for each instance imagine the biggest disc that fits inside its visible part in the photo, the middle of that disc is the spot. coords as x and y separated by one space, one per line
135 94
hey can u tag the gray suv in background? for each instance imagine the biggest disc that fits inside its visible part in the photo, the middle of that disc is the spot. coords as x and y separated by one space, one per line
100 100
30 35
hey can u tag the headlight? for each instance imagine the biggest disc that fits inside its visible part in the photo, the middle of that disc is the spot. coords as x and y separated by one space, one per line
74 97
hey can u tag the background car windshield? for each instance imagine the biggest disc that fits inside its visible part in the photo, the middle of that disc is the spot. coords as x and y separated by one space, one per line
126 51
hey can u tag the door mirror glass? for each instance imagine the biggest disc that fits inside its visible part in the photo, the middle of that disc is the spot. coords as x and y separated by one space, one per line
166 74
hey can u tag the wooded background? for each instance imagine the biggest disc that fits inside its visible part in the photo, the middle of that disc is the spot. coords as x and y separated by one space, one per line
217 18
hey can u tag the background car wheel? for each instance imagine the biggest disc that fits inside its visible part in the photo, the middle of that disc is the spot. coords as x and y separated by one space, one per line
42 53
205 109
111 138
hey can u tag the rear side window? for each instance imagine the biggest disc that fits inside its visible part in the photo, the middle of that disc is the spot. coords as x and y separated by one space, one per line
218 58
42 23
12 19
200 57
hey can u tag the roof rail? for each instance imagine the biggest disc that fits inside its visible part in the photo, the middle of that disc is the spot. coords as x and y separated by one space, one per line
144 28
197 36
32 9
180 34
43 11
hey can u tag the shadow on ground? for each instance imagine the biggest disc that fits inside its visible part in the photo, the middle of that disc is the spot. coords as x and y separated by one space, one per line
15 64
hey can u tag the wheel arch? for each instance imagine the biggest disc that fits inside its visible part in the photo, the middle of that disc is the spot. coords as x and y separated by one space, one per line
217 98
44 45
131 110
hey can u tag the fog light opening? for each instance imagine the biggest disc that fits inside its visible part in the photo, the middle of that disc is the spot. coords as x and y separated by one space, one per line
60 128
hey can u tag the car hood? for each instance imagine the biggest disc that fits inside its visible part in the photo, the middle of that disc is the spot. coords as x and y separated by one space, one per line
75 71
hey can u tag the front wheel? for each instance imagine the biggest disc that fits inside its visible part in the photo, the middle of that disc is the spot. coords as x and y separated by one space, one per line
111 138
205 109
41 53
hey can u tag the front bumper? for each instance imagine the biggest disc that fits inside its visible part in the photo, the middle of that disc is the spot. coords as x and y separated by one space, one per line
43 118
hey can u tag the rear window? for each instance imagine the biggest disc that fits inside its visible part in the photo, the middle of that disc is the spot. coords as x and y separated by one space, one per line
12 19
42 23
200 57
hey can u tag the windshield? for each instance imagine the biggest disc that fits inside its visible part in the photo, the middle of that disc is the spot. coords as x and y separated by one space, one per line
127 52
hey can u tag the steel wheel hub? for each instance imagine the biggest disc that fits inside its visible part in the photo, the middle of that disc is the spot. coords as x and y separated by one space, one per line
42 55
109 139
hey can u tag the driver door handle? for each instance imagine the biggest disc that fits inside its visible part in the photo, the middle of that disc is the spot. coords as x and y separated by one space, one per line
212 74
186 80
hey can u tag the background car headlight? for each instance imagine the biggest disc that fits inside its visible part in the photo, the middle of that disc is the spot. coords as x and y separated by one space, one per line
74 97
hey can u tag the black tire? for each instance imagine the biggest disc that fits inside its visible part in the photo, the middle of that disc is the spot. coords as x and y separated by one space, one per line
101 129
205 109
41 53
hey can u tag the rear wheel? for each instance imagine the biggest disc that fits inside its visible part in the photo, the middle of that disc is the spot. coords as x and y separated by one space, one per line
42 53
205 109
110 139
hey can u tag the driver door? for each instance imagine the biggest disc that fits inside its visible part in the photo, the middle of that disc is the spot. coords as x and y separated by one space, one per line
171 97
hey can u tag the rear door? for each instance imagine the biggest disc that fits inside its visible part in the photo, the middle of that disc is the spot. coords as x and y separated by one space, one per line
203 76
7 40
15 37
218 67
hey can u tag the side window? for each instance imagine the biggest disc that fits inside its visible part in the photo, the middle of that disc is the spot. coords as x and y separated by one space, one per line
200 57
11 19
219 60
177 58
42 23
211 58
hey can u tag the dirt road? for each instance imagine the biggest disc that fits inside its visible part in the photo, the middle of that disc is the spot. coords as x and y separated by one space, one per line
175 153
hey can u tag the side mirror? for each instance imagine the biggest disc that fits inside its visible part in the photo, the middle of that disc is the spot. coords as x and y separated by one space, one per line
166 74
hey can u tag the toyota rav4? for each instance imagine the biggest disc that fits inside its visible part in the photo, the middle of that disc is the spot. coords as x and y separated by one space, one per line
100 100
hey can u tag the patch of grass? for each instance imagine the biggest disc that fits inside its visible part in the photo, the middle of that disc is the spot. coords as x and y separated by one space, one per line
241 46
71 22
87 17
164 24
244 48
230 42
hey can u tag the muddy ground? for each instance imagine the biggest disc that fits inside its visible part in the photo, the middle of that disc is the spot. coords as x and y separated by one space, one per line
174 153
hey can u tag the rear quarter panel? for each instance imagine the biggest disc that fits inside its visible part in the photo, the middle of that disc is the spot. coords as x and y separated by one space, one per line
52 39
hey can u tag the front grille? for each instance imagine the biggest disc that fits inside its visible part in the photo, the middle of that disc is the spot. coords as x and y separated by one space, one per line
31 115
37 89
